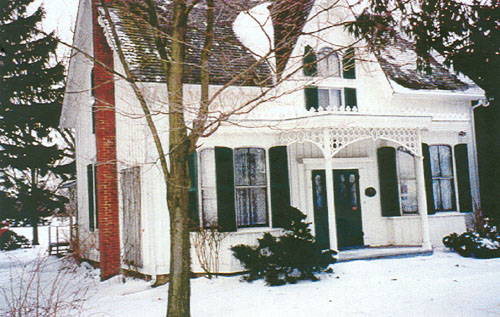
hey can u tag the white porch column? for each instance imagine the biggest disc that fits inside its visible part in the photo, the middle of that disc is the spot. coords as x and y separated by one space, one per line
332 232
421 197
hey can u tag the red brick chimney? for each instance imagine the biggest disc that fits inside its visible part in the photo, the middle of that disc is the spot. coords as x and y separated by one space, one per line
105 134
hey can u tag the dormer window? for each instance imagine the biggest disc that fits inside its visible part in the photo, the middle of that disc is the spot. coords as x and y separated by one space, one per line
328 63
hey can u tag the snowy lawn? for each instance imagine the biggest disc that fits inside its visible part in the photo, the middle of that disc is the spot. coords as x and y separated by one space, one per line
443 284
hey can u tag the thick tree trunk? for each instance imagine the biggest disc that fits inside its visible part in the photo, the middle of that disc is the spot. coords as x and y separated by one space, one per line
180 261
178 178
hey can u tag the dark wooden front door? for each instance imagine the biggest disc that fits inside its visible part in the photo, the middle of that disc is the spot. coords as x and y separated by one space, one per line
320 206
347 208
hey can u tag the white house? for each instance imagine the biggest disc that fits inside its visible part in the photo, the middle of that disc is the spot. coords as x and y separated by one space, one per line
375 152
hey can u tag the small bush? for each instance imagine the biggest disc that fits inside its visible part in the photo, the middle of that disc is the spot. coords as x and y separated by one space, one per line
483 243
9 240
288 258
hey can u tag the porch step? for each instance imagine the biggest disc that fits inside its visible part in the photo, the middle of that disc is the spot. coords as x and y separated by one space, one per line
372 253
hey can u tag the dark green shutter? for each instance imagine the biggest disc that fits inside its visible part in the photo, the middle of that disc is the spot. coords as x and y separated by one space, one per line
311 98
90 187
429 194
309 62
463 178
96 197
350 97
280 187
194 219
388 178
348 64
224 173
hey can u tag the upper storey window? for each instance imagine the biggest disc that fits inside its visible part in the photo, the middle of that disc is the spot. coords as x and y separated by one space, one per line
327 63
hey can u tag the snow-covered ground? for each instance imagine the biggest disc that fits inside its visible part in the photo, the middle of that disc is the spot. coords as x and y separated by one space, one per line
443 284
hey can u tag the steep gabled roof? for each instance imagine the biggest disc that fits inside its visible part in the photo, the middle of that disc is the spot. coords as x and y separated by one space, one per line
289 18
229 57
398 60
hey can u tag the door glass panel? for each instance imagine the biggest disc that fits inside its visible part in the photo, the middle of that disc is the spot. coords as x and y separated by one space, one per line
354 194
319 195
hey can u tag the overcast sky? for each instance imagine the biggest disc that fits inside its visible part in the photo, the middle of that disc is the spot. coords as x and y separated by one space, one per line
60 16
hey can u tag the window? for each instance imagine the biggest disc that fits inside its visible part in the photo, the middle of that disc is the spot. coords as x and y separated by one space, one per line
234 194
92 197
407 181
208 188
442 177
329 98
250 183
328 63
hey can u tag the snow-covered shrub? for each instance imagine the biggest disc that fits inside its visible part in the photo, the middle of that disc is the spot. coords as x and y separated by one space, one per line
44 286
9 240
483 243
288 258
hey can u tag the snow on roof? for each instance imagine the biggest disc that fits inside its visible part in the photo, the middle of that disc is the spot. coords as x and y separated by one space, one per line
229 56
255 30
244 33
398 60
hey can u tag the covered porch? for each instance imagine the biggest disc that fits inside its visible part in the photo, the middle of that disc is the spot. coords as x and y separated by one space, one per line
316 180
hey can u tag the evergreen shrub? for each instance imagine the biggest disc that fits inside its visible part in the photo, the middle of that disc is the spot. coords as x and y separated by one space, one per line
483 243
288 258
9 240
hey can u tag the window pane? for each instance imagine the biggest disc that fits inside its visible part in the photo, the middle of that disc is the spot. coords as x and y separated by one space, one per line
328 63
207 161
434 152
409 196
243 207
446 194
241 167
257 167
259 210
333 65
437 195
335 98
323 99
406 164
445 161
209 207
323 61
